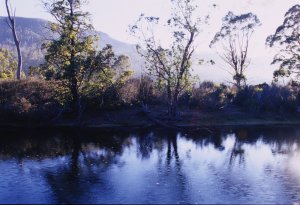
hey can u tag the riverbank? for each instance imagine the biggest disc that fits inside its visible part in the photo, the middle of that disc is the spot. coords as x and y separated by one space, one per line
136 118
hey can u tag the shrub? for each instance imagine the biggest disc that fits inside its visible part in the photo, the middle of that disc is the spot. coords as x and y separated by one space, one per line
131 92
210 96
110 97
146 92
31 99
272 98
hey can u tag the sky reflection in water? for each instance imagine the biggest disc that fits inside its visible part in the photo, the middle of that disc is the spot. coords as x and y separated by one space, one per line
241 165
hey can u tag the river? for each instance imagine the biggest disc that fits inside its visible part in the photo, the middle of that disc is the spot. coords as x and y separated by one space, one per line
233 165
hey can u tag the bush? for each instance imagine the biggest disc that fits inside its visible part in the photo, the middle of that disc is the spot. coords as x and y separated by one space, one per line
146 92
96 97
272 98
31 99
110 97
210 96
132 92
7 74
129 92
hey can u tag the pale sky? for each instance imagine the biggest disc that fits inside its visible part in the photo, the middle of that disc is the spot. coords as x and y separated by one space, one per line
114 16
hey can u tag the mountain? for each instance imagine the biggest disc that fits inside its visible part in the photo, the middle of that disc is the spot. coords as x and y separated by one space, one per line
33 32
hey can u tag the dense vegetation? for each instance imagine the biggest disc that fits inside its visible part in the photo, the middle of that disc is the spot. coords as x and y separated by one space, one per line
38 100
77 78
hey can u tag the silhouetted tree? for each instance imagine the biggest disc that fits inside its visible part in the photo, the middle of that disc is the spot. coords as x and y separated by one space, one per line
170 66
233 39
287 37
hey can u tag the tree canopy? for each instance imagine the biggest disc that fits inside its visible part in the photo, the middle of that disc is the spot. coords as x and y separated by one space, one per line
286 37
71 56
66 55
170 65
233 43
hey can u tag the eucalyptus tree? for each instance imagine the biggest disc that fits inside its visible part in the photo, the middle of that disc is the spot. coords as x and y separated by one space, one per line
170 63
73 41
232 43
11 22
287 38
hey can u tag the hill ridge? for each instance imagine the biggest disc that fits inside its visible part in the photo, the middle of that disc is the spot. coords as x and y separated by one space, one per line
33 32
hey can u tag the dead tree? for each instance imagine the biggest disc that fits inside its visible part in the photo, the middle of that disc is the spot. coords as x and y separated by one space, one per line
11 22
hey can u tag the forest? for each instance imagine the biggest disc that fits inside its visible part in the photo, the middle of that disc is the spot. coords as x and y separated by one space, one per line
81 84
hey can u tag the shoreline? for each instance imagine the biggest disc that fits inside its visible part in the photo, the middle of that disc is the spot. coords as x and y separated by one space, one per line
136 118
150 125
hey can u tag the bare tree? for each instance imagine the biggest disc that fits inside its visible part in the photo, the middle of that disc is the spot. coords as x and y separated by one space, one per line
11 21
233 39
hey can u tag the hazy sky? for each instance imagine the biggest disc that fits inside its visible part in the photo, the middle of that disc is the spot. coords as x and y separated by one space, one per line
114 16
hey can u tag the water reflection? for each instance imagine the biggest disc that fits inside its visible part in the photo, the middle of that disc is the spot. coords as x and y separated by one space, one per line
233 165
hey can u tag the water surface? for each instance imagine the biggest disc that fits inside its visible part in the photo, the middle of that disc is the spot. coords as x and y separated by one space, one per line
233 165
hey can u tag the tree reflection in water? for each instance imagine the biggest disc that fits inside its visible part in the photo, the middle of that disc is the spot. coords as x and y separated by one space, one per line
73 182
85 162
172 142
237 150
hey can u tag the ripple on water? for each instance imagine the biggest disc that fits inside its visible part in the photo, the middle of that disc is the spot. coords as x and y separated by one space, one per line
260 166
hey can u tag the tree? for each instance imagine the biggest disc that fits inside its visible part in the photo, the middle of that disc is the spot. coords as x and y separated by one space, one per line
233 41
170 66
66 55
11 22
8 64
106 74
287 37
121 64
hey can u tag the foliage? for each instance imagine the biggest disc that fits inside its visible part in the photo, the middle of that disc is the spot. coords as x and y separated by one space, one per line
145 90
103 80
76 72
66 55
95 77
109 75
209 96
31 99
8 64
264 97
170 66
287 37
233 39
110 93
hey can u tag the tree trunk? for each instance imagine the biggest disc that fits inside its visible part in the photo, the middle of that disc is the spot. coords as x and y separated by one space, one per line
238 84
75 158
173 111
20 61
172 102
73 67
73 84
173 106
12 24
74 93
